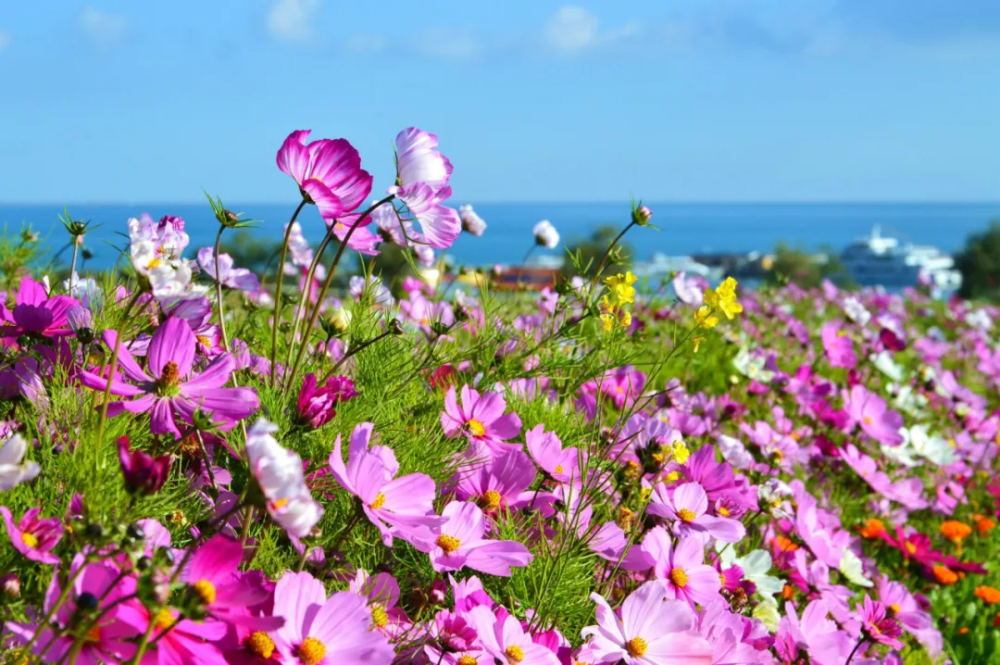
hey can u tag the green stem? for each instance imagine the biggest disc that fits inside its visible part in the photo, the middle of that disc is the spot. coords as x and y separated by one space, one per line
111 370
300 309
855 650
604 260
218 290
353 352
277 289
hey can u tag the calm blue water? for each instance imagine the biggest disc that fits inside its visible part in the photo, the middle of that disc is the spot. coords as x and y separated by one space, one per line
684 228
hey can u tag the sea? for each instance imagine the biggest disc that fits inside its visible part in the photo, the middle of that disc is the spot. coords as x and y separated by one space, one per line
683 228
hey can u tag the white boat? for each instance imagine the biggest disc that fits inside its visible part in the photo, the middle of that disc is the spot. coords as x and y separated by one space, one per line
883 261
661 264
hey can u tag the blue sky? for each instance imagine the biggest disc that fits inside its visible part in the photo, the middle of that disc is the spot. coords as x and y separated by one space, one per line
690 100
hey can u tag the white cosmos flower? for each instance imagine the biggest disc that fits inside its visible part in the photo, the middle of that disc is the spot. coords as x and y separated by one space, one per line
755 566
884 363
904 453
752 366
929 446
546 234
767 612
850 566
979 319
278 472
13 469
855 311
734 452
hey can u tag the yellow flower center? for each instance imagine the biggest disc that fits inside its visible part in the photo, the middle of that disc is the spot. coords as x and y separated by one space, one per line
778 455
311 651
466 659
514 653
260 644
686 515
476 427
204 341
492 500
378 502
672 476
723 511
154 263
164 619
636 647
558 469
679 577
911 548
279 504
722 579
379 616
93 635
448 543
894 609
204 590
30 540
868 421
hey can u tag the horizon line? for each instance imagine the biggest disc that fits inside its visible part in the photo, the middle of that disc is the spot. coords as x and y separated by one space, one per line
549 202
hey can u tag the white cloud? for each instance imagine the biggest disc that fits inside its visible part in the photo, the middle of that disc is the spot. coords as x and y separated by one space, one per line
102 28
290 20
572 29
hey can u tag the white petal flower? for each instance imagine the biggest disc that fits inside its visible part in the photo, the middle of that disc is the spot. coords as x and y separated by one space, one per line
851 567
13 470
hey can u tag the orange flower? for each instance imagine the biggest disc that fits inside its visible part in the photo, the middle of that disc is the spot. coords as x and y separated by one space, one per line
983 524
988 595
787 592
945 575
964 630
873 528
784 544
955 531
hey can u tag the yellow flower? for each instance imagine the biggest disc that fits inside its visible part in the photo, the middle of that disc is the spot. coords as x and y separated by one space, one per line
726 295
621 286
608 321
704 317
681 452
613 316
697 343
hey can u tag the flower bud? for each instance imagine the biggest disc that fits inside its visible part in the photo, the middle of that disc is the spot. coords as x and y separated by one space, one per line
641 215
143 473
10 585
439 592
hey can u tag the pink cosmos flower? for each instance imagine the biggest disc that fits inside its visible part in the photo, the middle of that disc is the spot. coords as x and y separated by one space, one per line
143 473
687 507
315 406
108 641
480 419
240 279
381 592
902 606
681 565
876 420
503 638
32 537
623 385
459 543
35 313
815 633
907 492
325 631
212 574
500 484
174 391
183 641
422 175
877 626
401 506
562 464
839 348
327 171
651 631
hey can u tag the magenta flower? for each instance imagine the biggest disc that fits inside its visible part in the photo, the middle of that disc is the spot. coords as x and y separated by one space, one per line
907 492
32 537
213 576
876 420
562 464
877 626
240 279
327 171
480 419
459 543
182 641
401 506
322 631
315 406
900 605
838 347
681 564
623 385
500 484
143 473
174 391
503 638
651 631
109 640
35 313
687 507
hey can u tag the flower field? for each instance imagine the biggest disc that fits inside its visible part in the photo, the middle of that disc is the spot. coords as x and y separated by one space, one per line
202 464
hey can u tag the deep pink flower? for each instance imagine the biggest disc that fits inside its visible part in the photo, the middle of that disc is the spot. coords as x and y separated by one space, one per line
651 631
687 507
325 631
183 641
503 638
101 587
401 506
877 626
143 473
500 484
32 537
459 543
623 385
174 390
480 419
838 347
681 565
35 313
316 404
327 171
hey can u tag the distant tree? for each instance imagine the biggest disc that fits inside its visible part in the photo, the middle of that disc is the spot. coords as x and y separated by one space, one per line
805 269
589 253
251 251
979 263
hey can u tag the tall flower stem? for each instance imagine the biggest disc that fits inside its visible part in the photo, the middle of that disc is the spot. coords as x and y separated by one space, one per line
604 259
326 287
300 309
353 352
218 290
277 289
112 367
72 265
